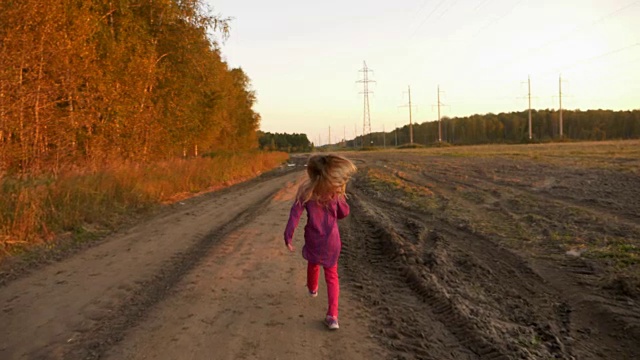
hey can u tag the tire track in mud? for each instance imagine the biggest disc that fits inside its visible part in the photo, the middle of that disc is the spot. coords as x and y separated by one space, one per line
110 330
567 295
588 221
401 319
415 252
501 197
443 262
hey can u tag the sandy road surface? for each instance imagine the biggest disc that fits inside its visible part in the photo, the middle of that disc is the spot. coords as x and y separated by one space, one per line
208 279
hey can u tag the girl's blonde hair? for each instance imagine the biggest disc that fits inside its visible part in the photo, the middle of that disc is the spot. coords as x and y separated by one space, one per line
328 177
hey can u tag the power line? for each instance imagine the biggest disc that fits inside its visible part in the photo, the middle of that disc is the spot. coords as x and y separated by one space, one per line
480 5
621 71
568 33
427 18
447 9
596 57
366 118
421 7
493 22
594 22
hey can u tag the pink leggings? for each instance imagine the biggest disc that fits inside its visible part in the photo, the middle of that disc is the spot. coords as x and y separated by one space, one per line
333 284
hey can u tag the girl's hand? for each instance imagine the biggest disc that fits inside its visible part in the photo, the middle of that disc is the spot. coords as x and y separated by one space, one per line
290 247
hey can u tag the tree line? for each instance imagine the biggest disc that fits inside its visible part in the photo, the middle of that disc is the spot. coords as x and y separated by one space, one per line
284 142
513 128
88 82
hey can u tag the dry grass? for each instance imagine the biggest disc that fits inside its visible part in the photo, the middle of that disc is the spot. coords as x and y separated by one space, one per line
37 211
615 155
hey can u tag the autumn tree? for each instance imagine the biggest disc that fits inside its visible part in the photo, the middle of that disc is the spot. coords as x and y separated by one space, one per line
88 82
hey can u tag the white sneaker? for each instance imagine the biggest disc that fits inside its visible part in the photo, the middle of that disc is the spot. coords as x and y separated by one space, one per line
331 322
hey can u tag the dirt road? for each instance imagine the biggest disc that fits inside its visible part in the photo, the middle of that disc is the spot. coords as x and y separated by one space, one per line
443 258
208 278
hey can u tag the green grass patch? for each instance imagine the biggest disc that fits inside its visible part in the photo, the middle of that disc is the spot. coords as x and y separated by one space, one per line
620 252
408 193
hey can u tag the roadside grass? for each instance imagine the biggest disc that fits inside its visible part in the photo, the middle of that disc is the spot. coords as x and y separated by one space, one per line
77 204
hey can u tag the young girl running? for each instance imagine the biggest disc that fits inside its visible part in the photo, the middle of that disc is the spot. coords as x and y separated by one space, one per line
323 196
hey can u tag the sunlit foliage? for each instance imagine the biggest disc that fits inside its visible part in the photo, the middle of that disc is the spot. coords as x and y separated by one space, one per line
83 83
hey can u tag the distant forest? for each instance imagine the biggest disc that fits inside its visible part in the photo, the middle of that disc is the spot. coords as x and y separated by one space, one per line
284 142
88 82
513 128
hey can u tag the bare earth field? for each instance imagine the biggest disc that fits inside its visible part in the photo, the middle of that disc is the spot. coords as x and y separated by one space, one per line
485 252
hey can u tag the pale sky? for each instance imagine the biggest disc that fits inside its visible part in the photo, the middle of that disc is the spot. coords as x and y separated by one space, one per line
304 58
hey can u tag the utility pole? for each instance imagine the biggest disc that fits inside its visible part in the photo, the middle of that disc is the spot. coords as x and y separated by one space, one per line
329 143
439 118
384 138
410 120
560 114
344 135
530 132
530 110
366 119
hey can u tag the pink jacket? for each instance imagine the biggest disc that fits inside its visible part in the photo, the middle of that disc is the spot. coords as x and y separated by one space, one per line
321 236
